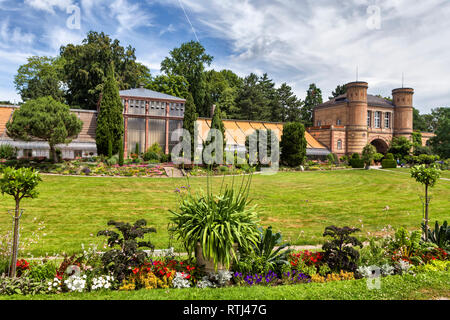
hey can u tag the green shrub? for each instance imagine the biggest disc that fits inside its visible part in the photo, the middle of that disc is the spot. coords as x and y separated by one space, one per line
165 158
387 163
356 163
112 161
42 271
389 156
150 155
224 169
7 152
293 144
23 285
217 222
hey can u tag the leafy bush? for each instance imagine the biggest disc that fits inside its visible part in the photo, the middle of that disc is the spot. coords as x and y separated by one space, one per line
339 252
264 257
165 158
293 144
150 155
24 285
440 236
42 271
121 261
389 156
374 254
356 161
217 223
7 152
387 163
405 245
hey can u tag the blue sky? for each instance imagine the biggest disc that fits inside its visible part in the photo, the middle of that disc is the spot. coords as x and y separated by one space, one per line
297 42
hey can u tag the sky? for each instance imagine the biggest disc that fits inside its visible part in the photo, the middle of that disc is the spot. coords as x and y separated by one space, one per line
298 42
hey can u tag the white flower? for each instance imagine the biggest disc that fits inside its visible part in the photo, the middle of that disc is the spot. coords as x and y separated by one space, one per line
180 281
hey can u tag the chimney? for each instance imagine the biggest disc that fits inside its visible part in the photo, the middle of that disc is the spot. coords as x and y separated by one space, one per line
213 108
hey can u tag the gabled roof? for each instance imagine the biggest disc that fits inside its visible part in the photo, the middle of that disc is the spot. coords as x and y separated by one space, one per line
146 93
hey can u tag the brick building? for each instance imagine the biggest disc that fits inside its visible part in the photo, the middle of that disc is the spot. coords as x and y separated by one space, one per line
348 122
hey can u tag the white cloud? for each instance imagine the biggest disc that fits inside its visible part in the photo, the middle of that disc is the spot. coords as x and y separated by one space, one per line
14 36
323 42
48 5
129 16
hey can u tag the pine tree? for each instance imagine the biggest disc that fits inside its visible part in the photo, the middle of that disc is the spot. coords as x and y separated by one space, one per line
190 121
313 98
110 117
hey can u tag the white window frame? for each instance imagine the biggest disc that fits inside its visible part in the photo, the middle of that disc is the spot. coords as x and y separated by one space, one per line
387 120
369 119
377 119
339 144
338 122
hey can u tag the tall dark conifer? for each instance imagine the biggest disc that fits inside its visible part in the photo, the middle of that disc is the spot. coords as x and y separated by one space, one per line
110 117
190 121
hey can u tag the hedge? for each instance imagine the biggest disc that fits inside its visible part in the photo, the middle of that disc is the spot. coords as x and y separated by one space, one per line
357 163
387 163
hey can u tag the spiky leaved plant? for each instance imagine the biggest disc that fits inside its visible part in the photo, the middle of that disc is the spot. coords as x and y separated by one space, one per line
217 222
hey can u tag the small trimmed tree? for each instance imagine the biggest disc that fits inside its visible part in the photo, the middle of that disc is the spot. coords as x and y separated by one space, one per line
110 117
428 176
20 183
46 119
121 161
368 154
293 144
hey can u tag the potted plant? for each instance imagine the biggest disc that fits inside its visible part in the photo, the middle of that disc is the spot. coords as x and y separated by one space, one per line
215 226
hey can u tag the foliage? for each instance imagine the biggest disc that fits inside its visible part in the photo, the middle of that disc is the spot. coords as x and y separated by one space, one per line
189 61
42 270
313 98
128 256
263 139
368 154
405 245
377 157
40 77
86 65
440 236
190 122
387 163
339 253
174 85
375 254
400 147
46 119
217 223
340 89
271 250
428 176
293 144
121 153
8 152
110 126
440 143
216 124
23 286
150 155
20 183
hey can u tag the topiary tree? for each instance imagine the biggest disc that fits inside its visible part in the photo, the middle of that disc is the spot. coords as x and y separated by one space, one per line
110 117
368 154
293 144
428 176
20 183
46 119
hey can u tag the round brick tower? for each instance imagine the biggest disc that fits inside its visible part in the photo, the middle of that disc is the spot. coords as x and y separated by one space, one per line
357 116
403 114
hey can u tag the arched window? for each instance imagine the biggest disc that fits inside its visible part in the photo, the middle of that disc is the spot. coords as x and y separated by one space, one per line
339 144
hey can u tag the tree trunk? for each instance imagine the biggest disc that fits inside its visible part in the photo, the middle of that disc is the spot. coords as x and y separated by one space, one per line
12 272
426 212
53 153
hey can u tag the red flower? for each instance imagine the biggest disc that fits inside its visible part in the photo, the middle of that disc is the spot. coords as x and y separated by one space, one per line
135 270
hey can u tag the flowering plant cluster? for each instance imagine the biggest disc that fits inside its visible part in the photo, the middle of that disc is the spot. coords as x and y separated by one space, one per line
307 257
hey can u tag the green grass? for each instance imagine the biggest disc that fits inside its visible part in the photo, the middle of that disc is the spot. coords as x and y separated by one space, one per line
299 204
444 173
434 285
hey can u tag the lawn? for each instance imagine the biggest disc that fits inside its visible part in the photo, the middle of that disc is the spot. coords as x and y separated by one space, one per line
299 204
435 285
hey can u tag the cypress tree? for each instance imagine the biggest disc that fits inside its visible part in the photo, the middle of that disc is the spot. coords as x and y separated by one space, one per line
110 153
121 153
216 123
293 144
190 121
110 116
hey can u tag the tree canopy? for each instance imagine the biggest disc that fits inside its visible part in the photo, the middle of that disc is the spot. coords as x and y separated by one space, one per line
313 98
44 118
